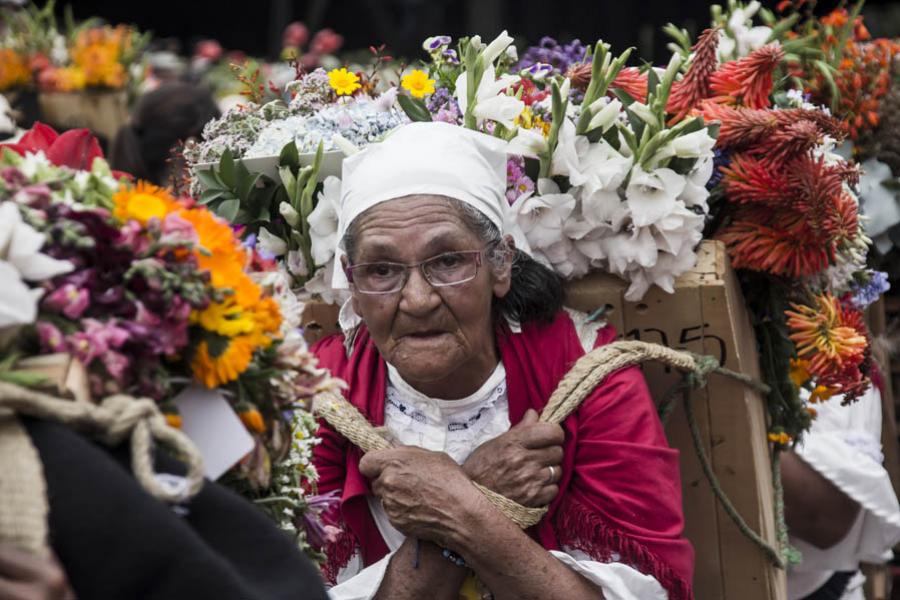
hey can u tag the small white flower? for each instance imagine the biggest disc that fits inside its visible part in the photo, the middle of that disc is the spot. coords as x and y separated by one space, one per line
270 243
296 263
651 196
323 221
696 144
512 55
33 163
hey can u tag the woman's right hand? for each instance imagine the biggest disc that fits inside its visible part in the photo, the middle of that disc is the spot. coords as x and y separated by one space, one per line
517 463
24 576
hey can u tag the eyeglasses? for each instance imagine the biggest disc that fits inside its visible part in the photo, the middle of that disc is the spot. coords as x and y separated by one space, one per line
449 268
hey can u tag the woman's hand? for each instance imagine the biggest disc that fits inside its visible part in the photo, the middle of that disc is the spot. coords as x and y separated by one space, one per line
24 576
516 464
425 494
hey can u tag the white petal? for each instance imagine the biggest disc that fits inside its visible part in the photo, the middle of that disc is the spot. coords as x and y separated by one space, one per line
18 303
270 243
502 109
528 142
496 47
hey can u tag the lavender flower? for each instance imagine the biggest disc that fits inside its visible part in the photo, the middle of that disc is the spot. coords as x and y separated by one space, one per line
549 51
538 71
720 161
450 57
868 288
517 182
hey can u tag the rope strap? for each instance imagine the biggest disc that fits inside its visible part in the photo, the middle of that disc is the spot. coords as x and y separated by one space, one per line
112 421
578 383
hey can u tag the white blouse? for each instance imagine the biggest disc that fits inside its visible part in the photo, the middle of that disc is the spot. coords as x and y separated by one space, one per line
457 427
844 446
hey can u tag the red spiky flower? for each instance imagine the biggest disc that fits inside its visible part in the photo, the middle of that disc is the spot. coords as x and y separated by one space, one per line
631 81
748 81
694 87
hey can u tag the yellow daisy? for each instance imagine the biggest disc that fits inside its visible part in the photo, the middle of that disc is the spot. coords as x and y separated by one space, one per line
343 82
418 84
143 202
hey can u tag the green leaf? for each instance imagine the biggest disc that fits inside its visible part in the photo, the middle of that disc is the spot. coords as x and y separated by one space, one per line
246 185
215 344
228 209
289 157
825 69
210 196
226 169
713 130
625 97
682 166
652 81
414 108
209 180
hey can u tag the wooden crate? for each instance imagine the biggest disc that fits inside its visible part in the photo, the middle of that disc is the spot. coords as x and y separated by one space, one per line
706 314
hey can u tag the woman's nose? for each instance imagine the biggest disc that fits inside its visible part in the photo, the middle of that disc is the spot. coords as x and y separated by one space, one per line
418 296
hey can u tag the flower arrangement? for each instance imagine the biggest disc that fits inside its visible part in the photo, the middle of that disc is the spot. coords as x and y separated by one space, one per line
86 56
152 292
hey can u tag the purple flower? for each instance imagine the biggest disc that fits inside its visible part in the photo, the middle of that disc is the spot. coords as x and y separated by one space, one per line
32 195
450 56
867 291
436 42
549 51
517 182
69 300
13 178
96 339
538 71
318 520
51 337
249 241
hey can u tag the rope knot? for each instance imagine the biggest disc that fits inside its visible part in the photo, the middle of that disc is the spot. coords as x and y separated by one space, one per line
703 366
120 414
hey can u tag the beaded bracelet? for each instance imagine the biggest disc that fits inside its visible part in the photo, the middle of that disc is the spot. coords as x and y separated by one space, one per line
453 557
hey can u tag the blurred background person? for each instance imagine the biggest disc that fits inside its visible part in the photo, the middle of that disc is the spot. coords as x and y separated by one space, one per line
162 120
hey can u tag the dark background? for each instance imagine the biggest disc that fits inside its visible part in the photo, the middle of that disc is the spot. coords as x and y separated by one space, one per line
255 27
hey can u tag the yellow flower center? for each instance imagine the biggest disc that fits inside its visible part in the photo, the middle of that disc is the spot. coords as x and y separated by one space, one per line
144 207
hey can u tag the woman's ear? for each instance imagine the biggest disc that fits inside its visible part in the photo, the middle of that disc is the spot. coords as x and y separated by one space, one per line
503 274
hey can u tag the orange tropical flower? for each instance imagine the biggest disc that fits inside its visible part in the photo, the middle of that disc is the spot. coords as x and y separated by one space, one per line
823 335
14 69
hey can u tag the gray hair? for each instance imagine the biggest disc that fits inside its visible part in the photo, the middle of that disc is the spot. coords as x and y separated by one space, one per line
536 293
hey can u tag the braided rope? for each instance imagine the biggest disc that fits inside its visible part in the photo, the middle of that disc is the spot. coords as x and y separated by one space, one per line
112 421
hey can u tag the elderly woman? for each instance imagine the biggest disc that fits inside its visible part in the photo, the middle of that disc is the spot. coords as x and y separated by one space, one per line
454 340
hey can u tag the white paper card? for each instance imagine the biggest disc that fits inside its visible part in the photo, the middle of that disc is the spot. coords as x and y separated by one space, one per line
210 422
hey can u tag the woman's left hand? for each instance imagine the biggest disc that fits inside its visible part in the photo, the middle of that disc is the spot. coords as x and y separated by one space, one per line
425 494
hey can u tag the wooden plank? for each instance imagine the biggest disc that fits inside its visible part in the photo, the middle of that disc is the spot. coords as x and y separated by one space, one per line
740 454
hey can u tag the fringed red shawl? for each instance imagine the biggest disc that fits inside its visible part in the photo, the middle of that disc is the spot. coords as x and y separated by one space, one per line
620 495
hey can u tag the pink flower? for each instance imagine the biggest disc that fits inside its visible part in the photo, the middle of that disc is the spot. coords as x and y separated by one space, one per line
132 235
97 339
51 337
209 49
176 231
116 364
33 194
326 41
295 35
68 300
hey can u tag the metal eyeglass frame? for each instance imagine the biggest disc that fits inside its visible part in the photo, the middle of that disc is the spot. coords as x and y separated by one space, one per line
348 271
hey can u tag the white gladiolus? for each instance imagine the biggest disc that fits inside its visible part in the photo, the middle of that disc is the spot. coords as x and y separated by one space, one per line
496 48
651 196
605 117
270 243
290 215
528 142
644 113
491 101
542 216
323 221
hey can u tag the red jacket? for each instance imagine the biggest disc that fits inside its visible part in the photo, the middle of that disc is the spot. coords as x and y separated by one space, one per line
620 492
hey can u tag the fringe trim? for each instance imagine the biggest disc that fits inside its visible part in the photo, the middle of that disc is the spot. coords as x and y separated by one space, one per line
338 554
578 528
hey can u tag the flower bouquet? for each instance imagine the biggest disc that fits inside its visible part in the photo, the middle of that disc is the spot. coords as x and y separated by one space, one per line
153 293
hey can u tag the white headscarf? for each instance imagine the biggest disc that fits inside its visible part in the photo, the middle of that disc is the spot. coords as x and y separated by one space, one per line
427 158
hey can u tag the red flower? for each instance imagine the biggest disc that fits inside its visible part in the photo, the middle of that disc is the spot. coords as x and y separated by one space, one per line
694 86
326 41
748 81
633 82
295 35
76 148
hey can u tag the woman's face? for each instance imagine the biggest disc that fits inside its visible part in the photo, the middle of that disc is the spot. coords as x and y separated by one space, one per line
440 339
